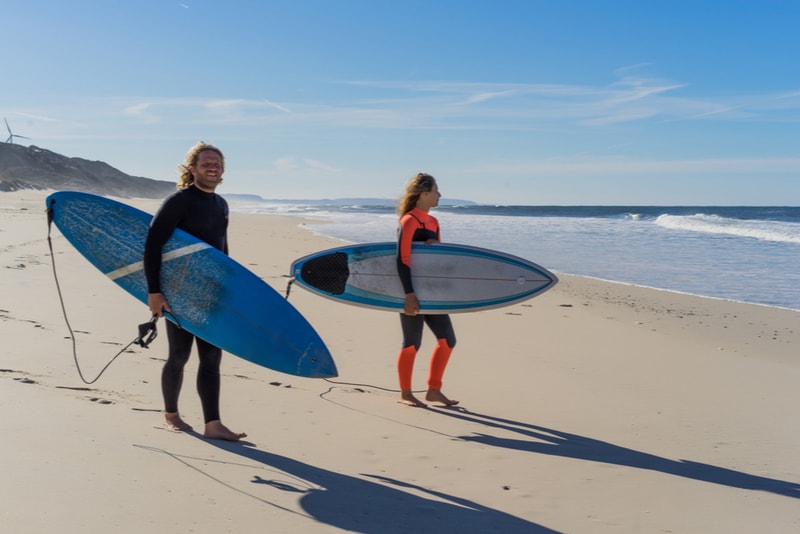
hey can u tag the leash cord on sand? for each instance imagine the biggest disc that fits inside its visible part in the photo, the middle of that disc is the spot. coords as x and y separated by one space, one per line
288 291
144 329
361 385
368 386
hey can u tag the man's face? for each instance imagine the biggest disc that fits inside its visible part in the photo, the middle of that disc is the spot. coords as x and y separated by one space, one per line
208 171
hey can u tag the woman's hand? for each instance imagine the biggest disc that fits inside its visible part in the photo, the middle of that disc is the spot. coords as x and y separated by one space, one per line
411 305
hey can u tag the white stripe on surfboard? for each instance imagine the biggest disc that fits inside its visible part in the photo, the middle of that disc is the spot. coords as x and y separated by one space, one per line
171 255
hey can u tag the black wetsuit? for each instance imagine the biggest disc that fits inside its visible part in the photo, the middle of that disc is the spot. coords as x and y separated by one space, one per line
205 216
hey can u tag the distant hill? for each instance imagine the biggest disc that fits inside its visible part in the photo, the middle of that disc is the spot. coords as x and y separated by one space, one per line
32 167
36 168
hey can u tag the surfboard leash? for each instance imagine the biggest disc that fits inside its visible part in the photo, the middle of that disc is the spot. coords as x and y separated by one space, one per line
147 331
289 287
292 280
372 386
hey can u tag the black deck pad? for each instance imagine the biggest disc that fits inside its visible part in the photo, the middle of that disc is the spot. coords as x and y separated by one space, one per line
327 273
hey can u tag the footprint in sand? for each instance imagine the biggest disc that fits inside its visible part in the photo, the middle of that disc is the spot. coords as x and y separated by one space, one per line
21 379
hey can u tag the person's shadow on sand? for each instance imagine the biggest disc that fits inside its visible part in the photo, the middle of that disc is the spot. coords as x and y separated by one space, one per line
543 440
383 506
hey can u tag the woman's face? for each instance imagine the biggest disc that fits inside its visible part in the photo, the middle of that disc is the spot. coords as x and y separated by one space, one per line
429 199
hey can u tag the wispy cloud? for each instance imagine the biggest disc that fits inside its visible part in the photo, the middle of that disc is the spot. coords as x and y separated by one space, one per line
226 104
622 71
138 109
289 164
489 95
632 89
277 106
717 111
496 104
441 105
318 165
36 117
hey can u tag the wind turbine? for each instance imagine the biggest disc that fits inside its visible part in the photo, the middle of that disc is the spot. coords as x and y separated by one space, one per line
12 135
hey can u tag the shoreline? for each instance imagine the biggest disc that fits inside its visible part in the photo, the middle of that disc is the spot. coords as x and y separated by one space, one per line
765 293
595 407
676 292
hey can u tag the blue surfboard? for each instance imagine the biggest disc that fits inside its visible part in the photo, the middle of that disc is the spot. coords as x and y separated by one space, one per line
447 278
211 295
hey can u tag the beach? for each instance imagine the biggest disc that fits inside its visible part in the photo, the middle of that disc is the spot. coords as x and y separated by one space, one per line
596 407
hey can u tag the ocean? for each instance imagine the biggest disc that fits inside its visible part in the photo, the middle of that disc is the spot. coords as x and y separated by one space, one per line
746 254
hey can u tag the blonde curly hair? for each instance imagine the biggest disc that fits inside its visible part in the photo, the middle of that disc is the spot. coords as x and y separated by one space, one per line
185 178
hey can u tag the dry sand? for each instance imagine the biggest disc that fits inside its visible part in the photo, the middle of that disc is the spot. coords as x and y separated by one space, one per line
596 407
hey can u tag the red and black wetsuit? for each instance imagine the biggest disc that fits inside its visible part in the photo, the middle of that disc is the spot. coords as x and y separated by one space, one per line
415 226
205 216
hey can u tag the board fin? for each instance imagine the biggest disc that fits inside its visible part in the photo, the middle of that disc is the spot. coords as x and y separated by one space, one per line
327 273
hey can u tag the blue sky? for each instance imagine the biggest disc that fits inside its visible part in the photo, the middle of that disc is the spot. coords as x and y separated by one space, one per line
510 102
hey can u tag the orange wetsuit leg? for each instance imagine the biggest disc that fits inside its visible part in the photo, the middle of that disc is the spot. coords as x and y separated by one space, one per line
439 359
405 366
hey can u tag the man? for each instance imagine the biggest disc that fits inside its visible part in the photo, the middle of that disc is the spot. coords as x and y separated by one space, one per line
198 210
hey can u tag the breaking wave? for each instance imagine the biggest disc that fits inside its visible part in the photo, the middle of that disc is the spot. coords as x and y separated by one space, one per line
777 231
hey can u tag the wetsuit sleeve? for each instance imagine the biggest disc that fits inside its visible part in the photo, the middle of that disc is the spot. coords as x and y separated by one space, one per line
161 228
225 249
408 226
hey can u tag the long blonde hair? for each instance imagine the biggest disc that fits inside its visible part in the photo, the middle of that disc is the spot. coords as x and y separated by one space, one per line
186 179
421 183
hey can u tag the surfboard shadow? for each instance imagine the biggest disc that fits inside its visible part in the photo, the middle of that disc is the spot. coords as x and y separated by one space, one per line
544 440
359 505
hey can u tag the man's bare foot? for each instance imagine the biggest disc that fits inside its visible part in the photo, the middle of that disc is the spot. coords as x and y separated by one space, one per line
436 395
408 398
173 422
216 430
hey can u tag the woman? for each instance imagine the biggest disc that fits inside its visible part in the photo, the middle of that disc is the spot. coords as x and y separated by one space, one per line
417 224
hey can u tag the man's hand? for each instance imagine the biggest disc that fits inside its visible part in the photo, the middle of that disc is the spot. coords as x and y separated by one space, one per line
158 304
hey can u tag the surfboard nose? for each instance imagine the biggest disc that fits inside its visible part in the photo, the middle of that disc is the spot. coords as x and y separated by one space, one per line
317 362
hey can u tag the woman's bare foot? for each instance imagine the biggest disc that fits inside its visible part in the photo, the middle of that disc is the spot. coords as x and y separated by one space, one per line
408 398
436 395
173 422
216 430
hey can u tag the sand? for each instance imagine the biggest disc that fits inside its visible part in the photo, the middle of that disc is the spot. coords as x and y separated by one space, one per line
596 407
